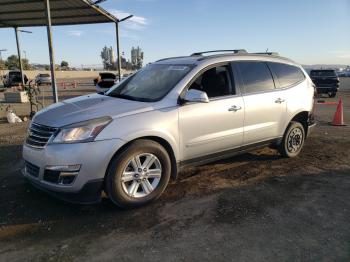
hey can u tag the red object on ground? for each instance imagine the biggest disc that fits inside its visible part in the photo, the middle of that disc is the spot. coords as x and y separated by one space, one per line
322 102
338 119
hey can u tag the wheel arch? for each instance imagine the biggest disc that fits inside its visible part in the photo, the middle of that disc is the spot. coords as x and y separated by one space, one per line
301 117
163 142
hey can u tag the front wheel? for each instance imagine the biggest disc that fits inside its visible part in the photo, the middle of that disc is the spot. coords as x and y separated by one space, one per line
138 175
293 140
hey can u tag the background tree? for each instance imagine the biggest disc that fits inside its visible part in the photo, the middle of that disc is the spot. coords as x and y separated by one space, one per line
2 65
12 63
57 67
64 64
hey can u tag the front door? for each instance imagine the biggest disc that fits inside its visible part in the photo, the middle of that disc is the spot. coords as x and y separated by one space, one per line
209 128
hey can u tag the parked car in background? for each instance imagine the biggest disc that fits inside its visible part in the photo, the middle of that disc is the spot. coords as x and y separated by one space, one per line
105 81
326 81
43 79
343 74
13 78
130 140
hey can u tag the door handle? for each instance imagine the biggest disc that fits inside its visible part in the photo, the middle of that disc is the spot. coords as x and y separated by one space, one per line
234 108
280 101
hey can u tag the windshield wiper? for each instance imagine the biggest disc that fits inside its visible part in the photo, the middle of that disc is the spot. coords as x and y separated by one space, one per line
121 96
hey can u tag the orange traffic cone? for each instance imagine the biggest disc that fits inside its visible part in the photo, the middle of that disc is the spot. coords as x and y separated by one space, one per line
338 119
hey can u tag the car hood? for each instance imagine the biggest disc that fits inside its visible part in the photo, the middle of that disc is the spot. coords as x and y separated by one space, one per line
89 107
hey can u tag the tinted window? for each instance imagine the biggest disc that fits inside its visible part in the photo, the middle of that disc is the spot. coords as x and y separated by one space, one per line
287 75
330 73
215 82
256 76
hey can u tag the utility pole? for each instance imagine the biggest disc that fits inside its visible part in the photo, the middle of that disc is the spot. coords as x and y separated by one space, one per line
2 70
118 44
51 53
19 50
19 55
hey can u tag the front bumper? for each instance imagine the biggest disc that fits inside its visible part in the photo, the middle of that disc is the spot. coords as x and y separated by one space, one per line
93 159
89 194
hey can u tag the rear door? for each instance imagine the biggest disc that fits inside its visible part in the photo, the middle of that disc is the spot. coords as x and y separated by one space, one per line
265 107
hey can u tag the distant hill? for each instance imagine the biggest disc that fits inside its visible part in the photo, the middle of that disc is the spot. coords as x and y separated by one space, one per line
324 66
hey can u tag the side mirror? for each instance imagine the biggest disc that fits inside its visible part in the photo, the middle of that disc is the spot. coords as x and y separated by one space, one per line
198 96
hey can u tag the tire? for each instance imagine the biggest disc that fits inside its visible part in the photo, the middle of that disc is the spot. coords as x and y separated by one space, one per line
126 185
293 140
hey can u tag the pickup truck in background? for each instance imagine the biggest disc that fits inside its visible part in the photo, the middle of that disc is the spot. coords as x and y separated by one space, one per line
326 81
105 81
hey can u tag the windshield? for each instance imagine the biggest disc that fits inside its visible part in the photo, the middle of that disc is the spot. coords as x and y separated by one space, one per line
323 73
151 83
44 75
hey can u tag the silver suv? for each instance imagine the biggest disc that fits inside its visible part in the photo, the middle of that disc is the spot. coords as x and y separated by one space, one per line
173 113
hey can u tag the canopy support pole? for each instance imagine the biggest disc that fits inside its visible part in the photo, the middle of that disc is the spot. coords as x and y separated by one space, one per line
19 55
118 51
51 51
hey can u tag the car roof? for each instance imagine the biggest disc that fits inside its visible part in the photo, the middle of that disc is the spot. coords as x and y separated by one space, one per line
198 58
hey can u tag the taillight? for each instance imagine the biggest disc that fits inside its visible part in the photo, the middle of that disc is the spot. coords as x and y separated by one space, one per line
315 89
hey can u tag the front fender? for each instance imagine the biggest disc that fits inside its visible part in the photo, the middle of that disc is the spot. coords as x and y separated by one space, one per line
162 123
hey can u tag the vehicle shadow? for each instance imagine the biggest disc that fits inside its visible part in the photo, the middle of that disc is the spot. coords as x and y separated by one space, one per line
21 203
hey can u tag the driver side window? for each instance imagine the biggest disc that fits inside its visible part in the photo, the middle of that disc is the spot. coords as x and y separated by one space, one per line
215 82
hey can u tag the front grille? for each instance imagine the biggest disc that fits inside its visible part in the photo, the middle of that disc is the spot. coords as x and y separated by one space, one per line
39 135
31 169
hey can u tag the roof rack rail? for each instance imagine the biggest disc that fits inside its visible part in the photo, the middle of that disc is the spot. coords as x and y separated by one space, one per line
267 53
235 51
168 58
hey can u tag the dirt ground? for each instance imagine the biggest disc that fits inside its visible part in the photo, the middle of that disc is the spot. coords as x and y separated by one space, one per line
254 207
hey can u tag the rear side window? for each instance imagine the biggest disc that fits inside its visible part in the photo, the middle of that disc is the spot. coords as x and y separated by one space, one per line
255 75
287 75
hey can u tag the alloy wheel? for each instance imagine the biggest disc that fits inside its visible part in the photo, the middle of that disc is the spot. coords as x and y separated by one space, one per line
295 140
141 175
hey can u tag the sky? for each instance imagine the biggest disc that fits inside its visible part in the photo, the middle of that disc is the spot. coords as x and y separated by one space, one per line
307 31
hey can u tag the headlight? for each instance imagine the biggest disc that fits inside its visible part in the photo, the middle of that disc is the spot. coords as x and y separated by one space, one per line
82 132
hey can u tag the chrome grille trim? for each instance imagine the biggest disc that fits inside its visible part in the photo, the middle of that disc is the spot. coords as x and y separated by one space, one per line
39 135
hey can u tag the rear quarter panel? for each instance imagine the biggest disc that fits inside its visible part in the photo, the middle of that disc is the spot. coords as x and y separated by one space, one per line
299 99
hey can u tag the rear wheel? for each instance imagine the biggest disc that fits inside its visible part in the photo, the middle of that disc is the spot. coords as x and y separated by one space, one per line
332 94
293 140
139 174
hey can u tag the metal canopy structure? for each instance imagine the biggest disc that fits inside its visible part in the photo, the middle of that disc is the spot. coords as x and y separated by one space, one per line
29 13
